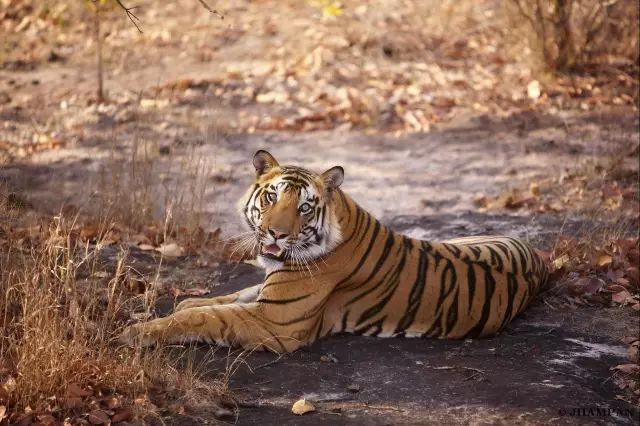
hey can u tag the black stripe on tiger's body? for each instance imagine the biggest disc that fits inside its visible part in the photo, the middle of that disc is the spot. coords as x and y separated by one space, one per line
332 267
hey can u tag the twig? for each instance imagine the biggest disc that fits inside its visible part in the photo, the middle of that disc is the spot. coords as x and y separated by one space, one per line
132 17
215 12
135 20
267 364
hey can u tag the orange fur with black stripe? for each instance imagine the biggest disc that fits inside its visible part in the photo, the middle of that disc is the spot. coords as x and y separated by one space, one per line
331 267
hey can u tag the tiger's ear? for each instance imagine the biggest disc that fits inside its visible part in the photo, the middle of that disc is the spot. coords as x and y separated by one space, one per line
263 162
333 178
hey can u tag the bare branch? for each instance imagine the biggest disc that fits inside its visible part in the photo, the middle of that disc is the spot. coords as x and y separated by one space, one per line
206 6
132 17
135 20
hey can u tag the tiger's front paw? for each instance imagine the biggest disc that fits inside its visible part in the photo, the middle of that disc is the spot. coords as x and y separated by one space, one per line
138 335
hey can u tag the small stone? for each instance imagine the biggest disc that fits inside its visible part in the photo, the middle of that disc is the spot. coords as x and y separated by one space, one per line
328 358
223 414
301 407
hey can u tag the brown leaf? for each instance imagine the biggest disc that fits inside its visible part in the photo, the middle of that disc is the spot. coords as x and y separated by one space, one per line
534 189
71 402
122 415
171 250
627 368
585 285
621 297
9 385
89 231
604 260
559 262
3 411
111 402
74 390
177 408
46 419
633 274
98 417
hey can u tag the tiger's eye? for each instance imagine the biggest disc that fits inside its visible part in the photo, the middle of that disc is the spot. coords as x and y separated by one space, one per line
305 208
272 197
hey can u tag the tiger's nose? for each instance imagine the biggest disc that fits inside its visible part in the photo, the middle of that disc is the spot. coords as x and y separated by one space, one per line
278 235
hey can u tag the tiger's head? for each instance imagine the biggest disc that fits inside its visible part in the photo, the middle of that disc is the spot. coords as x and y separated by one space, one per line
290 212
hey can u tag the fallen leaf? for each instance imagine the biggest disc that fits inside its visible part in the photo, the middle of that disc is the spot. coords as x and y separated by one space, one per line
585 285
604 260
74 390
561 261
98 417
301 407
170 250
46 419
71 402
627 368
3 411
632 353
177 408
111 402
9 385
621 297
534 189
328 358
124 414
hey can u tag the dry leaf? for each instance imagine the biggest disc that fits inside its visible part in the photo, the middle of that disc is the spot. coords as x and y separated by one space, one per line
621 297
74 390
561 261
585 285
10 385
71 402
46 419
604 260
98 417
301 407
3 411
122 415
170 250
534 189
627 368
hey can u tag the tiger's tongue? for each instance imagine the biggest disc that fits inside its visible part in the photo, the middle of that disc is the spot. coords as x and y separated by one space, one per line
271 248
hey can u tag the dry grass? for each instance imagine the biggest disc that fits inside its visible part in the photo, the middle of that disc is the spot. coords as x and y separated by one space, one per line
64 305
59 325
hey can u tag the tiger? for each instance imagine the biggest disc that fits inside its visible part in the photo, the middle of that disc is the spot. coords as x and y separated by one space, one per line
331 267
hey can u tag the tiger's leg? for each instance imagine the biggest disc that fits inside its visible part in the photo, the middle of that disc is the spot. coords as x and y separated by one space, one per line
247 295
228 325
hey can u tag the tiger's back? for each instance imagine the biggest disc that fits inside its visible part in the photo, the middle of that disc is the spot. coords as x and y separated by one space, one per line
386 284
